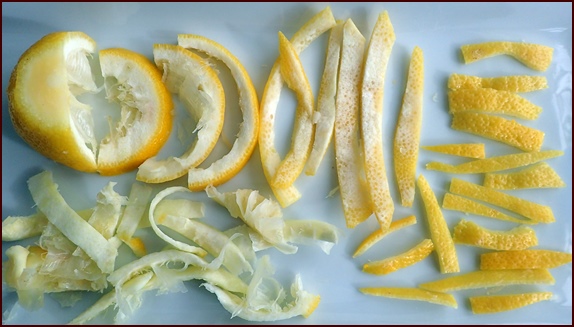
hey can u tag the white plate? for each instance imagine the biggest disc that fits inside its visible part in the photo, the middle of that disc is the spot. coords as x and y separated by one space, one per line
250 32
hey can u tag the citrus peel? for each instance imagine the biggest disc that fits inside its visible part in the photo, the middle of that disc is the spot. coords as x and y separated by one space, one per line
524 259
469 206
403 260
492 101
518 238
500 303
535 56
518 84
379 234
409 293
540 175
468 150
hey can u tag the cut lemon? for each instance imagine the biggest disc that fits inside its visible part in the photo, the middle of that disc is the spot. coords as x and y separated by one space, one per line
403 260
522 83
326 100
378 234
459 203
468 150
524 259
540 175
499 129
493 102
270 158
501 303
535 56
230 164
518 238
493 164
440 235
528 209
45 112
199 89
491 278
348 149
302 140
408 293
407 134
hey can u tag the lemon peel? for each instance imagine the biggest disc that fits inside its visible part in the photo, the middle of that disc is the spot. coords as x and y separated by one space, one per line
499 129
459 203
490 278
468 150
410 293
524 259
500 303
403 260
492 101
15 228
379 234
270 158
132 215
519 83
230 164
407 134
540 175
535 56
198 87
519 238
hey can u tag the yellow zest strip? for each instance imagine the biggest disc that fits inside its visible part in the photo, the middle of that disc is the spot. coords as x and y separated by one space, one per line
490 278
519 84
501 303
302 139
403 260
378 234
439 231
524 259
499 129
535 56
540 175
518 238
348 150
326 100
493 102
493 164
270 158
407 134
467 150
371 118
407 293
468 206
534 211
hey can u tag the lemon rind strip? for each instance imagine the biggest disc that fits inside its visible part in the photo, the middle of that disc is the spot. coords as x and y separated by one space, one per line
524 259
408 293
534 56
499 303
515 83
469 206
408 258
379 234
492 101
519 238
540 175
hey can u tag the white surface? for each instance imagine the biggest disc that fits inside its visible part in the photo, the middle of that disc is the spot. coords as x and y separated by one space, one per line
250 32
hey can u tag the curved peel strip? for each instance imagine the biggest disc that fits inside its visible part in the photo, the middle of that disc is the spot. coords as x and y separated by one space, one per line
524 259
459 203
518 84
535 56
493 164
440 234
106 214
325 124
378 234
518 238
199 88
15 228
403 260
355 199
407 293
229 165
540 175
312 232
490 278
408 130
134 210
45 194
501 303
534 211
302 140
491 101
499 129
270 158
468 150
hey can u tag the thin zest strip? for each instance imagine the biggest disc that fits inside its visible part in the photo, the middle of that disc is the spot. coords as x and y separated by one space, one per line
378 234
468 206
294 76
492 101
535 56
493 164
501 303
270 158
540 175
518 238
403 260
490 278
440 234
518 84
467 150
407 134
348 150
534 211
524 259
407 293
499 129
